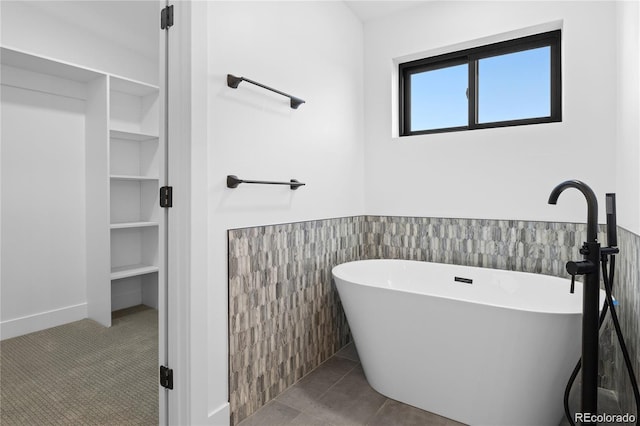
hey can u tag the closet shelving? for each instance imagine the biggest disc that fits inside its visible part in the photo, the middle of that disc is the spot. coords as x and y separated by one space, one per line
123 170
134 174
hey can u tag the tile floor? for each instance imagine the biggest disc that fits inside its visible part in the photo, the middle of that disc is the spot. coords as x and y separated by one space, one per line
607 403
337 394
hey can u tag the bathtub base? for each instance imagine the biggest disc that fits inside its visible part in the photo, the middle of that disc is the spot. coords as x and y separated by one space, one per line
471 362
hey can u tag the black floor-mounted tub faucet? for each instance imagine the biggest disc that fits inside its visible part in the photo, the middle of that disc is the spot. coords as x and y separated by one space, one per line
589 267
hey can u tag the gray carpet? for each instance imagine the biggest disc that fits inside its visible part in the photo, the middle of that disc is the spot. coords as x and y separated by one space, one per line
83 374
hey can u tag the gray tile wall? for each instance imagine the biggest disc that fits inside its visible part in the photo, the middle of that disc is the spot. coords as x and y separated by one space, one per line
285 317
627 290
526 246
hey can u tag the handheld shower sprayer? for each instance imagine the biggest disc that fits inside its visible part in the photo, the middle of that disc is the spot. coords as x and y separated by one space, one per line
612 231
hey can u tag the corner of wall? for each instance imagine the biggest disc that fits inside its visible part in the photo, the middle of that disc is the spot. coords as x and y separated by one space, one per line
628 110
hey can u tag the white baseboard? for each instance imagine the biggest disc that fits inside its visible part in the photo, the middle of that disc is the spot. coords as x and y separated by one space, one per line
220 416
41 321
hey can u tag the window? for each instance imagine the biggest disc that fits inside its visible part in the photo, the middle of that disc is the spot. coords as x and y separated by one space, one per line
503 84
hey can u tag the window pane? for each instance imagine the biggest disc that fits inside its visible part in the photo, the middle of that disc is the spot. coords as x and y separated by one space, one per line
515 86
438 98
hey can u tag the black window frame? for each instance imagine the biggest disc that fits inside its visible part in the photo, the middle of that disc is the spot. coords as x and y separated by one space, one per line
471 57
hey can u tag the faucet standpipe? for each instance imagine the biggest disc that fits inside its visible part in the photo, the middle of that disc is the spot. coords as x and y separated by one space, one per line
590 295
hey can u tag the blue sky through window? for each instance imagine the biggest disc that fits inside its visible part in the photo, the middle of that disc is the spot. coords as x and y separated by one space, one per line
515 86
510 87
438 98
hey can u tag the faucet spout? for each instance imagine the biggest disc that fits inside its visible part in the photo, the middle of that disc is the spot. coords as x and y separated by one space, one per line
592 205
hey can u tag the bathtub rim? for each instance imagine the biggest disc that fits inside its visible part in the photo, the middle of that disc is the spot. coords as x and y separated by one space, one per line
578 285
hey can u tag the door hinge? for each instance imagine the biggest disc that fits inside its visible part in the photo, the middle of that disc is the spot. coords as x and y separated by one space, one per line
166 196
166 377
166 17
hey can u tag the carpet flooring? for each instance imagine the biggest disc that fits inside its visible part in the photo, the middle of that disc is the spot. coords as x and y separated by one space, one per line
83 373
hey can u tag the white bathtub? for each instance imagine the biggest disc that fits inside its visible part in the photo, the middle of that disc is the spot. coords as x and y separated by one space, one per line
498 351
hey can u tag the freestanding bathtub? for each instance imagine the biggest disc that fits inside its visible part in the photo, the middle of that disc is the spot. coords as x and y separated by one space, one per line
480 346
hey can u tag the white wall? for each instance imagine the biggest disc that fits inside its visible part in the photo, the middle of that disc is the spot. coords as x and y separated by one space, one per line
118 37
312 50
502 173
43 210
628 106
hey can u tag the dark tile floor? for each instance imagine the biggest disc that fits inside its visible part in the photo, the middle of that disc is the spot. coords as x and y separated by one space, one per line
337 394
607 404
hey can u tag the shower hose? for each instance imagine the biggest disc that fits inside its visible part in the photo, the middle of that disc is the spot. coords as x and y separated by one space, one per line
609 304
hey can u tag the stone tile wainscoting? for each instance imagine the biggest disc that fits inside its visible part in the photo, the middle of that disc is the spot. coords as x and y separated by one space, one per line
539 247
285 317
627 290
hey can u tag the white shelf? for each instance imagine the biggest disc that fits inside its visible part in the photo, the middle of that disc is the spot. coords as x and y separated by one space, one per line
133 87
131 136
136 178
135 160
134 200
133 107
132 271
43 65
125 225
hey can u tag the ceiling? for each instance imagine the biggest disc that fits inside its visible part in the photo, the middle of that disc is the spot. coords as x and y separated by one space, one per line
133 25
367 10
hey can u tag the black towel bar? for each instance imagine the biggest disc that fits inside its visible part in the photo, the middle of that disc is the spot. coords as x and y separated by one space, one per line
233 182
233 82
